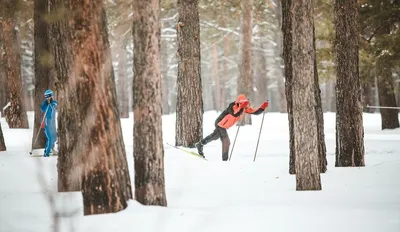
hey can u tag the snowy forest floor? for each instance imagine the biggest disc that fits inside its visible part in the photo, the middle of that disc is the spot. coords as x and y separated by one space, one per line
240 195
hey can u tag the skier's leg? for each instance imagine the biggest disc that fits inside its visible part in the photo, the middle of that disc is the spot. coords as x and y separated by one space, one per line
213 136
225 143
47 148
53 135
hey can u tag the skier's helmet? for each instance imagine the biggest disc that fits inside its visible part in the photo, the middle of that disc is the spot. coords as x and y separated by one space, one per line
48 93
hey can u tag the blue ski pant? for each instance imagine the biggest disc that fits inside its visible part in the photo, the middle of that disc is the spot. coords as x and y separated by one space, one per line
51 135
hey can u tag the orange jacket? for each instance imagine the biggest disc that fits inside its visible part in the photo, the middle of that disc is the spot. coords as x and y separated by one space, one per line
234 113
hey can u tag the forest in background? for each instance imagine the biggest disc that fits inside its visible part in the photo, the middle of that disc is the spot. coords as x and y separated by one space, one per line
220 30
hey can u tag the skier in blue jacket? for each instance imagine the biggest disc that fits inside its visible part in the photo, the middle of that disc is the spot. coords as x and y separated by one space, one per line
49 107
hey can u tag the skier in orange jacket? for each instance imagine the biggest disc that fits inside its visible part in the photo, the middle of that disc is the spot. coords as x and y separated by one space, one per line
228 118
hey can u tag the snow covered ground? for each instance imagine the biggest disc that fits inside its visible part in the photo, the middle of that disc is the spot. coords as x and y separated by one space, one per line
240 195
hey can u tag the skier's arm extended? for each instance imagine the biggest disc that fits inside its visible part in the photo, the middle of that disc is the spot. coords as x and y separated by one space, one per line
258 111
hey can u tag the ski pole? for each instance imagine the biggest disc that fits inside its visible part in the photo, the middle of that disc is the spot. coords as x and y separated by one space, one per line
37 135
262 121
233 146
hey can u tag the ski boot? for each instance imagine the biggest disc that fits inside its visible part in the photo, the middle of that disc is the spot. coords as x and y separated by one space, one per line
199 147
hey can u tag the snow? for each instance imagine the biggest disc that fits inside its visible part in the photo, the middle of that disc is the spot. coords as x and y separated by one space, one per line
240 195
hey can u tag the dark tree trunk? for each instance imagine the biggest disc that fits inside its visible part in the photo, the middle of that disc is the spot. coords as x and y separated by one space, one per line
89 111
386 93
320 115
305 118
43 66
287 18
3 79
15 114
189 106
2 143
122 83
349 120
331 96
147 105
245 80
368 98
69 166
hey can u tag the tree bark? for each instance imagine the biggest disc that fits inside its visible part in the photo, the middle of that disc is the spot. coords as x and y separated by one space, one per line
261 79
320 115
42 65
225 76
3 79
386 93
368 98
189 106
15 114
122 80
287 28
349 120
147 105
245 81
2 143
303 87
95 163
215 71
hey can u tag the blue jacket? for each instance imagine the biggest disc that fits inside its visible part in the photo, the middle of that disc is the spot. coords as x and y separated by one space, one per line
51 112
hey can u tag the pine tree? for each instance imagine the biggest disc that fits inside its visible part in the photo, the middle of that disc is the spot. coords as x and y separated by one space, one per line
245 79
148 149
15 114
43 66
189 105
380 41
303 88
92 155
287 28
349 120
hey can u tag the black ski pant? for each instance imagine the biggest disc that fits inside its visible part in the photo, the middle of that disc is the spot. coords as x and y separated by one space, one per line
219 133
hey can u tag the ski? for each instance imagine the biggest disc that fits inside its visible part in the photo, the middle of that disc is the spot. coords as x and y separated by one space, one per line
36 156
189 152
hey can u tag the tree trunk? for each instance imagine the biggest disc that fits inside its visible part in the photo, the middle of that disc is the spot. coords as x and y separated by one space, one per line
43 66
331 96
215 71
305 118
368 98
320 115
245 80
389 117
287 18
148 143
225 75
2 143
3 79
261 79
122 77
189 106
15 114
349 120
95 163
